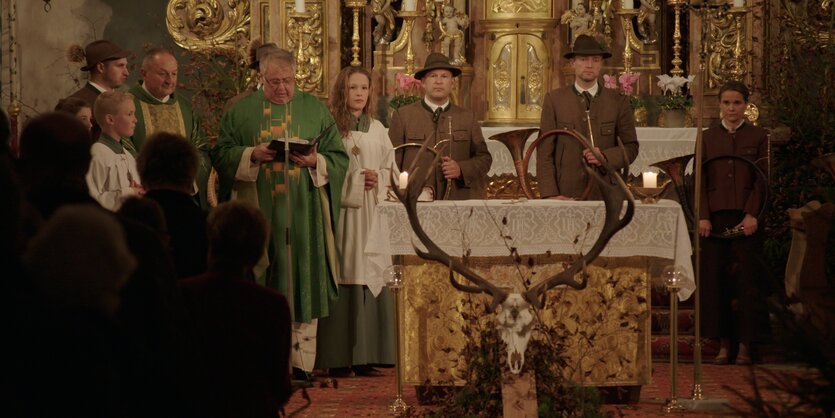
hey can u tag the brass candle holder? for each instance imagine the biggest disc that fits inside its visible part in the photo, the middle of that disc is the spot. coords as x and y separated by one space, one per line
302 72
648 195
355 6
408 24
677 5
395 280
673 279
630 40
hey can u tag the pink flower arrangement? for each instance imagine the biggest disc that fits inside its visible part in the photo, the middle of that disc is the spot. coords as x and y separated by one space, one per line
407 90
626 84
626 81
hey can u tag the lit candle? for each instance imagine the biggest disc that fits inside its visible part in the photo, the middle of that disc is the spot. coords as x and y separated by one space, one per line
739 3
629 4
404 180
300 6
409 5
650 179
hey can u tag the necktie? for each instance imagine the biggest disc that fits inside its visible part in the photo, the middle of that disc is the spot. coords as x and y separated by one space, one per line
587 96
437 114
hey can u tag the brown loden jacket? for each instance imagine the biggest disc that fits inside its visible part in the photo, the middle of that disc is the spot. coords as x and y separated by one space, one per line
413 124
559 160
733 184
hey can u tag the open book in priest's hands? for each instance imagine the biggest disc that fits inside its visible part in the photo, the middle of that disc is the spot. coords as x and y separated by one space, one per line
297 145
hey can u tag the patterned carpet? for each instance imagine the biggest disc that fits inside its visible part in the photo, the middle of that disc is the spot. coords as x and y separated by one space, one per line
370 396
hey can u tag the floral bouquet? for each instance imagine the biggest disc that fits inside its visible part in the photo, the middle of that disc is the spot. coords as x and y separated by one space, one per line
406 92
627 86
672 97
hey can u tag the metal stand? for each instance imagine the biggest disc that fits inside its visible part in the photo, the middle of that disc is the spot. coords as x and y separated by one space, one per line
672 279
395 283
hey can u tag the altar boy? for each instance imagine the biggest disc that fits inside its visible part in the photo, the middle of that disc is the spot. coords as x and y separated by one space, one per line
112 175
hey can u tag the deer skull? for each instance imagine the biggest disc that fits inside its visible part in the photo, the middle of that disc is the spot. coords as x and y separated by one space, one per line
515 323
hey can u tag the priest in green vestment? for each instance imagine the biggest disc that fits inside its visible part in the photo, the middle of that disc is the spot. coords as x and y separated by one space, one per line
242 158
160 109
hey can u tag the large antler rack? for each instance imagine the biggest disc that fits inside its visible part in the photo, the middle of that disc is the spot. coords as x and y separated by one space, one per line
614 191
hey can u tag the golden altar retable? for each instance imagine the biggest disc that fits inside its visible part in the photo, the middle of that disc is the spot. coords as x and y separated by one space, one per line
609 320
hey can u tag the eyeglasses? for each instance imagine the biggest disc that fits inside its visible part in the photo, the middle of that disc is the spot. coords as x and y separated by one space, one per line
276 82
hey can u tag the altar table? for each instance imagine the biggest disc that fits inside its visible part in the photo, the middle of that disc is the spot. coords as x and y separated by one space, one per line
613 310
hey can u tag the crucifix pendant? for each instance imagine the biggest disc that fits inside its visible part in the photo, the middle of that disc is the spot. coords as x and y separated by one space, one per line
355 150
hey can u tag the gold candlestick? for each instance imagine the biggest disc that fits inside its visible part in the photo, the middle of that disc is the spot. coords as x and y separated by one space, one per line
302 72
677 71
408 24
395 282
630 40
355 6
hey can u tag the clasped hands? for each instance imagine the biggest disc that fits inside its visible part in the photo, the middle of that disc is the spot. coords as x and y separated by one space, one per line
748 225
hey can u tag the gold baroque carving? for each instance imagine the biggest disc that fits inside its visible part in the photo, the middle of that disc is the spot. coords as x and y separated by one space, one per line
725 62
501 78
533 88
312 64
517 6
207 24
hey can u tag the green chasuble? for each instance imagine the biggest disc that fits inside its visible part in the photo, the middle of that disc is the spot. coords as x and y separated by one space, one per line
315 211
176 116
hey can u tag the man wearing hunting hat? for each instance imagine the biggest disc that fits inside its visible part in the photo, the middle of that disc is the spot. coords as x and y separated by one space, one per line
107 64
560 159
465 160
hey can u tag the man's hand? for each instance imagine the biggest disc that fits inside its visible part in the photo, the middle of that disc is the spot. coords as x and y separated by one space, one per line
450 168
138 188
748 224
705 227
590 158
262 153
303 160
370 178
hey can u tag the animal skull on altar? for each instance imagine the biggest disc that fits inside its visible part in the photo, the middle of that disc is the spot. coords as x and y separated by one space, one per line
515 322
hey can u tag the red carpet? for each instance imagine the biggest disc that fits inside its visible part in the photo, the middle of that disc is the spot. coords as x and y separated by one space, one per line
370 396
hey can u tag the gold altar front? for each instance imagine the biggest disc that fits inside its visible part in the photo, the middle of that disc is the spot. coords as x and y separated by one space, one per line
609 320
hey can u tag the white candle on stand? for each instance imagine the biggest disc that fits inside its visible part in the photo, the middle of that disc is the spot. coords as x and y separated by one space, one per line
650 179
739 3
628 4
404 180
409 5
300 6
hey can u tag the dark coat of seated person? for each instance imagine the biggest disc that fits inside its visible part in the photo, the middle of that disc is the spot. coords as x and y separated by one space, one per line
243 328
167 165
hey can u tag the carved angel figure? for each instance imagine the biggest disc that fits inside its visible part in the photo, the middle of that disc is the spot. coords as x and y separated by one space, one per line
579 21
515 322
452 27
384 17
646 21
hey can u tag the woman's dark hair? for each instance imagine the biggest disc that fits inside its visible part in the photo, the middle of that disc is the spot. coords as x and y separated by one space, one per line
736 86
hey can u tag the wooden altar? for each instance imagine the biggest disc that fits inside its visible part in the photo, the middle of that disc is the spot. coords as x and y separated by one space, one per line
609 321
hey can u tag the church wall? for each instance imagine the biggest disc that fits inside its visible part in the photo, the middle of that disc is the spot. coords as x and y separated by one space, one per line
43 38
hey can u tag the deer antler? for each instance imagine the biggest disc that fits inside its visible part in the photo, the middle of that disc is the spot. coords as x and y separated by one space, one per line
614 194
409 197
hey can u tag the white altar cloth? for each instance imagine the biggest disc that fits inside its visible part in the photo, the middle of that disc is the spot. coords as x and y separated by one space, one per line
535 227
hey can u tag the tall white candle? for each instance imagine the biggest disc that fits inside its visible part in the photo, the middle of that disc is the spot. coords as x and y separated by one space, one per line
650 179
404 180
739 3
409 5
628 4
300 6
